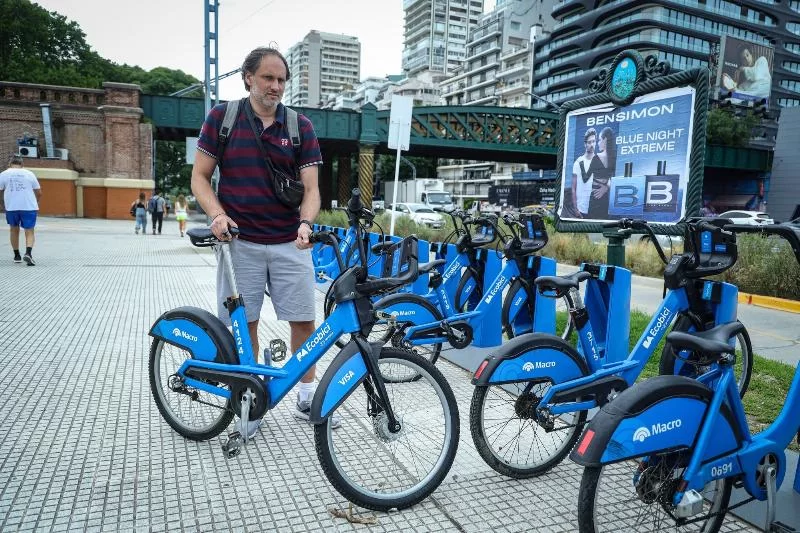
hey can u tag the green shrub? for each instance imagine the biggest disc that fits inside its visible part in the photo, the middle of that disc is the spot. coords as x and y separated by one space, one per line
765 266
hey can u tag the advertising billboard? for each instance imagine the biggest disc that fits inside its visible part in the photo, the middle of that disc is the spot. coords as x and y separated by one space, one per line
745 68
628 161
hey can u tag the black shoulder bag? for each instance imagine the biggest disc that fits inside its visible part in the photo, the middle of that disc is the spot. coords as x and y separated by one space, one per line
288 189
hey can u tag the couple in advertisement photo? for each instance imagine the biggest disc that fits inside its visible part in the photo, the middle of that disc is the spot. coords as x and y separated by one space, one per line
630 161
591 174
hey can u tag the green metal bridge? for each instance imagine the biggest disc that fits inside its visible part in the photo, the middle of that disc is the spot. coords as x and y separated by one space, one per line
459 132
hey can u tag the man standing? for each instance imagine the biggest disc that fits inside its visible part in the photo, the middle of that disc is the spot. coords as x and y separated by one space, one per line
156 207
272 248
581 175
21 194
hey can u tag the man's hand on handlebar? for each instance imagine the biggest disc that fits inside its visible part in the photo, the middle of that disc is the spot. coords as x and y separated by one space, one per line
220 226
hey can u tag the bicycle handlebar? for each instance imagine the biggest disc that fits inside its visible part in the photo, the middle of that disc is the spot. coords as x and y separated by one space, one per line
639 224
326 237
784 231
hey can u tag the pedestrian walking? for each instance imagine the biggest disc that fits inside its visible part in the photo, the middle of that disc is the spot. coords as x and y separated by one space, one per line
139 210
180 213
157 206
21 195
272 248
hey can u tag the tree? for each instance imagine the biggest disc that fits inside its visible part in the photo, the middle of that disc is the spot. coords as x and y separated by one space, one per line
723 127
40 46
173 175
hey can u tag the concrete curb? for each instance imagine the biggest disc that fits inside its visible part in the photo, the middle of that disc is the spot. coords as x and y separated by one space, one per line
781 304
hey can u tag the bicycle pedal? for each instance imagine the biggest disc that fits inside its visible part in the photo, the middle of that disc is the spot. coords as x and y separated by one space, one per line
278 349
233 445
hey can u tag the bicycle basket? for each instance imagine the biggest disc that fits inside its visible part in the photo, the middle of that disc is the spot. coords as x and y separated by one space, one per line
714 251
483 233
534 236
398 257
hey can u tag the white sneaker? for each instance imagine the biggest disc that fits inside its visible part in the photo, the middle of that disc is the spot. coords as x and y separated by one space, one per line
252 427
303 412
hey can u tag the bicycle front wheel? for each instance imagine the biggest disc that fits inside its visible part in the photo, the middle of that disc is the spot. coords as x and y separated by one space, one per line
636 495
193 413
689 363
516 301
376 468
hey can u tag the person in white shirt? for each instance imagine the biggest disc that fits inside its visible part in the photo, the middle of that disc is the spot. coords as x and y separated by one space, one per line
582 176
753 76
21 194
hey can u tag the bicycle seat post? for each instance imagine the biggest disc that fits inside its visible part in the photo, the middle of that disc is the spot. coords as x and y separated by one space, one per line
231 275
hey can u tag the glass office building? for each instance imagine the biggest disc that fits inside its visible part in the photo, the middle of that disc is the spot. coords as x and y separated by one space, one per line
589 34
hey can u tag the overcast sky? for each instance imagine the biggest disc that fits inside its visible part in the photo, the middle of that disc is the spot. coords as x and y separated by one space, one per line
169 33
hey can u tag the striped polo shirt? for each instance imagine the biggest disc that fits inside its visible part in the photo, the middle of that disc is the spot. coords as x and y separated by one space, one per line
245 188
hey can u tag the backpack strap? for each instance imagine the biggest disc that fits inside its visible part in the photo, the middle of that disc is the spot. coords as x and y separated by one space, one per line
228 123
293 128
224 135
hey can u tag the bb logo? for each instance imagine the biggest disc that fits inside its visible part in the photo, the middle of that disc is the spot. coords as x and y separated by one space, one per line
640 434
527 367
639 195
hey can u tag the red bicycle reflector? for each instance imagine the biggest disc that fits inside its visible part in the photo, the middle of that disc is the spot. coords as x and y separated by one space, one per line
481 368
585 441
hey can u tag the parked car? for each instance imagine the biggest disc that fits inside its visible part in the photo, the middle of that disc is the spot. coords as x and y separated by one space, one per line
747 217
795 223
419 213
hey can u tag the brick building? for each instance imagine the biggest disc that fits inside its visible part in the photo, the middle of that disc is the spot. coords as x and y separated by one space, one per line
105 150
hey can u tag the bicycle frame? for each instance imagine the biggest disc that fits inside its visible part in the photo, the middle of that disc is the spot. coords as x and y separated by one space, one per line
703 467
602 363
330 270
278 381
484 319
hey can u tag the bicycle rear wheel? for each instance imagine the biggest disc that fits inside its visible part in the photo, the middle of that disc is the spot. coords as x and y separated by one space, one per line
377 469
193 413
636 495
508 435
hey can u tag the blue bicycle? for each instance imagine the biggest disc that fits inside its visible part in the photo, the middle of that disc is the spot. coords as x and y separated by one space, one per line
401 434
423 327
666 452
532 395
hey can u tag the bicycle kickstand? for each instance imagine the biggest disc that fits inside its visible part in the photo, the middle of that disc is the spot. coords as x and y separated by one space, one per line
772 494
235 441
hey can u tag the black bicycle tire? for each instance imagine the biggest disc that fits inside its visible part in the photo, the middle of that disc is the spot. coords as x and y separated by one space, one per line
214 430
416 299
587 495
469 273
481 444
323 444
684 323
508 328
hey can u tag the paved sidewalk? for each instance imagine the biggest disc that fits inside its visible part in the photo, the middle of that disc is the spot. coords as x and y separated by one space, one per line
85 449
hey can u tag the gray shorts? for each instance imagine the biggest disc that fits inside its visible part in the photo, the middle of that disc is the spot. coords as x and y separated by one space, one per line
284 269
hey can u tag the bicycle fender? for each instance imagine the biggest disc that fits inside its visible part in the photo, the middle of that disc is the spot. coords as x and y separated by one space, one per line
399 305
197 331
661 414
344 374
532 357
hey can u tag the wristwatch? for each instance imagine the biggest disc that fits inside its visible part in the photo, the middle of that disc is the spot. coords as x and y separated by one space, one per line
308 223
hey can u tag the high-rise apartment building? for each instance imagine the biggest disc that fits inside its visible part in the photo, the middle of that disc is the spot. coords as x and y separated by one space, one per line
497 67
589 34
436 35
322 65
